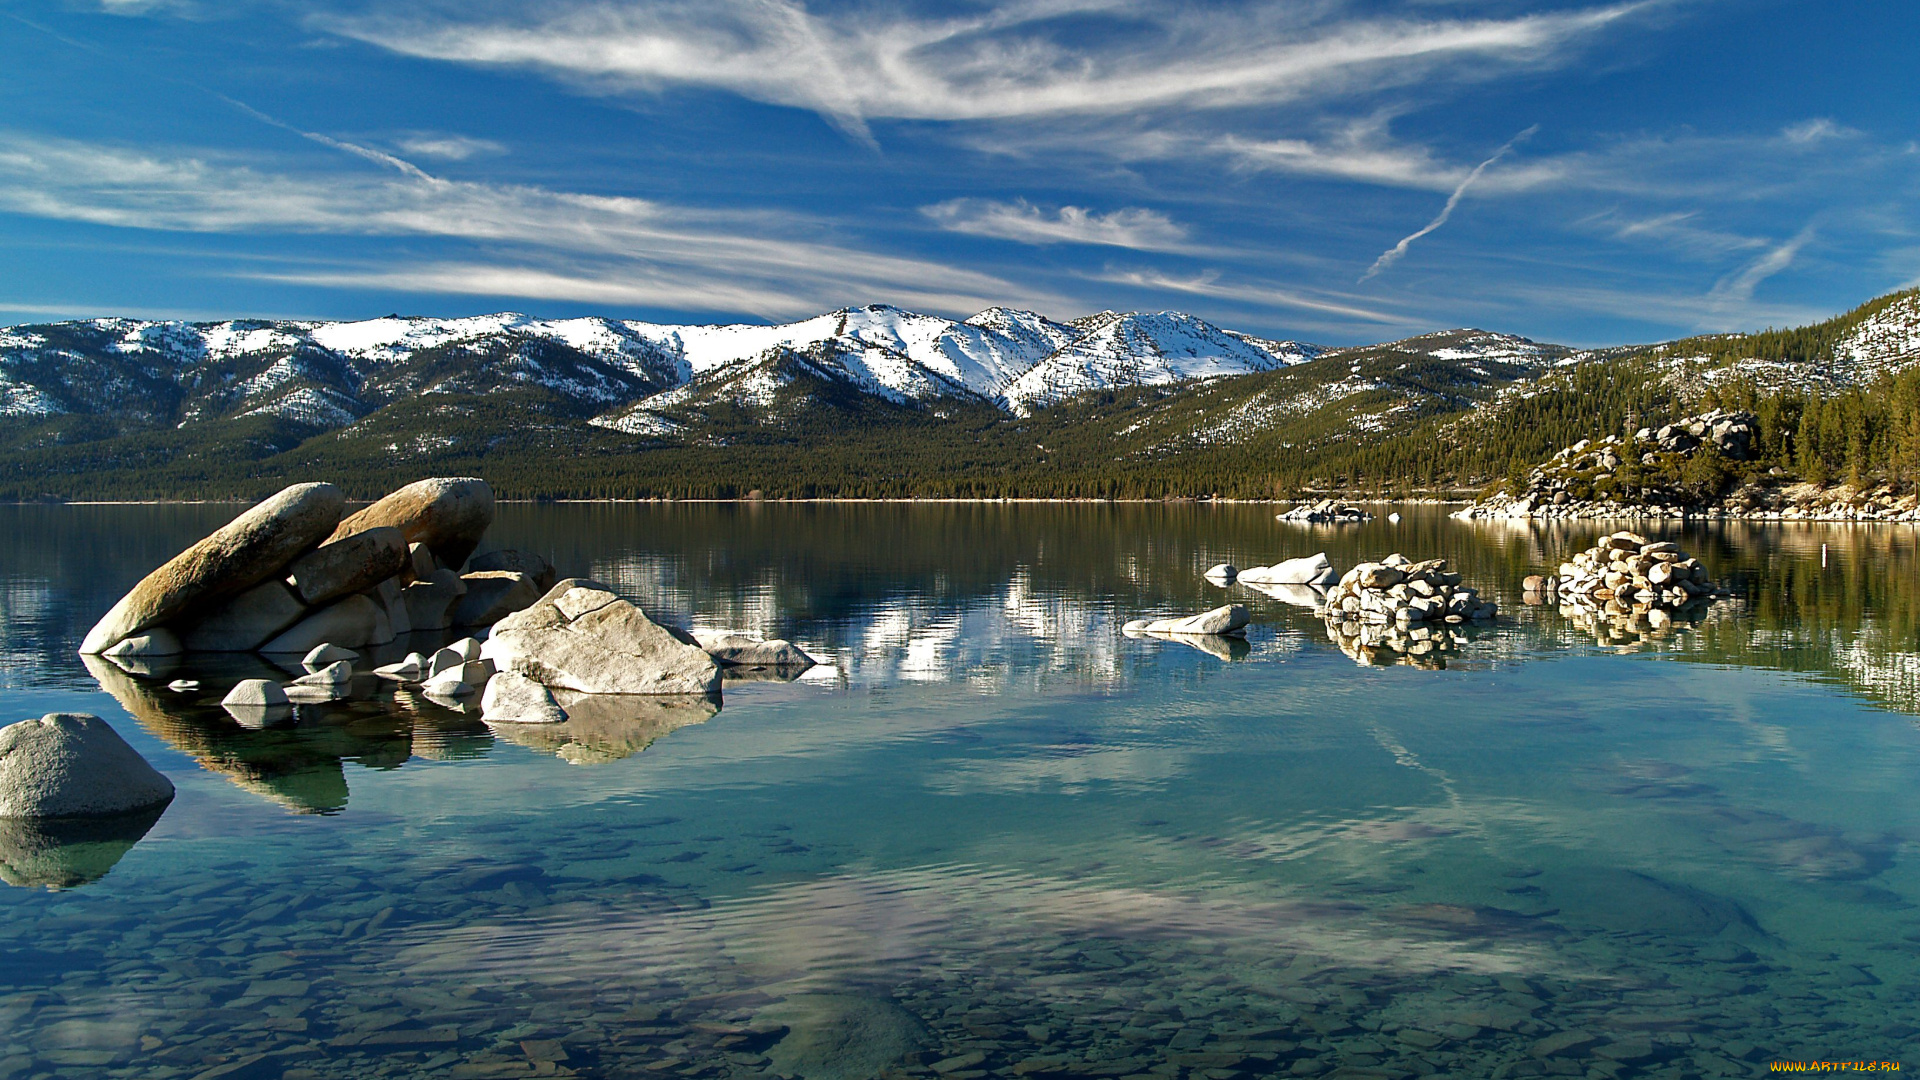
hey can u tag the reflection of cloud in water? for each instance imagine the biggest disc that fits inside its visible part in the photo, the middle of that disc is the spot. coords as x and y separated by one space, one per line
873 928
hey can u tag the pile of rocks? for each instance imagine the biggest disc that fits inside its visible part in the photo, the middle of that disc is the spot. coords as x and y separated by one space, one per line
1398 590
1626 572
1585 479
1398 611
1326 512
294 573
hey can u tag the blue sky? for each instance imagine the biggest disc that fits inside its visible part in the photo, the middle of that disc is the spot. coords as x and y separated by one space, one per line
1331 171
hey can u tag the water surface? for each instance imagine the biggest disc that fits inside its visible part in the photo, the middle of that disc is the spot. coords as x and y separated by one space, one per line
992 836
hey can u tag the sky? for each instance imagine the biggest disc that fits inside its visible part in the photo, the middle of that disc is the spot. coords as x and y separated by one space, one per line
1333 171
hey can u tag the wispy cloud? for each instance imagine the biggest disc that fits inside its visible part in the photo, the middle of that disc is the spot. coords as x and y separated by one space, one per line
1737 288
857 64
548 244
1209 285
1023 222
1395 253
448 147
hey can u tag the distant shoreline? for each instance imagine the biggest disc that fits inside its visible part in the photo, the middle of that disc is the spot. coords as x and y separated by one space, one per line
766 501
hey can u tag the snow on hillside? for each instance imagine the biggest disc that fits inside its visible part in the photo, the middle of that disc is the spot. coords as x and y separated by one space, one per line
1144 350
1887 341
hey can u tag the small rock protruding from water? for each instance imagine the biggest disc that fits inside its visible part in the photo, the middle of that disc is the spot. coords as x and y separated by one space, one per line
67 765
1228 619
1326 512
1222 573
1315 569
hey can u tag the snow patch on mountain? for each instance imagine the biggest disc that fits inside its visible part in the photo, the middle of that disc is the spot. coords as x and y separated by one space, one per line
1118 351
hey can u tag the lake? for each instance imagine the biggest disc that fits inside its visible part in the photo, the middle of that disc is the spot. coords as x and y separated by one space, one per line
990 835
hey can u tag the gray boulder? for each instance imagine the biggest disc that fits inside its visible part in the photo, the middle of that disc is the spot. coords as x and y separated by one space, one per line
430 601
353 623
1230 619
1315 569
747 650
337 673
448 514
583 637
237 556
493 595
247 621
328 653
255 693
67 765
351 564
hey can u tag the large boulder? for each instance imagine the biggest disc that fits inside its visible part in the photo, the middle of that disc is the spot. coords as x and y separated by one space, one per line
581 636
244 552
351 564
67 765
448 514
353 623
247 621
492 595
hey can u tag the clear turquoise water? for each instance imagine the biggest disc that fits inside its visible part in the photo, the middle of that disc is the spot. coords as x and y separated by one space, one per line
994 837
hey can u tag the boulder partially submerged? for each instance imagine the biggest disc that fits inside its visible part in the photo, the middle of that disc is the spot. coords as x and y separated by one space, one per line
1315 569
246 551
1228 619
288 575
68 765
582 636
737 648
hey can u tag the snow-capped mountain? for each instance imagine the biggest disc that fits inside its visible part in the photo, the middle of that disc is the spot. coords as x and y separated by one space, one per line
328 374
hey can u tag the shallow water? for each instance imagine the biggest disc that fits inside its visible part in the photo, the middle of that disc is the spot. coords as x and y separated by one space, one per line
993 836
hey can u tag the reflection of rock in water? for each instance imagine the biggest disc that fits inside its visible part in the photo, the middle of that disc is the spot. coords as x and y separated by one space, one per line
1386 644
1306 596
61 853
608 727
841 1036
1617 625
784 673
1218 645
297 765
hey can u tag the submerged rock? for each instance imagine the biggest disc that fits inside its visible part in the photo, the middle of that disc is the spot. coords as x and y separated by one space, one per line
583 637
73 765
235 557
741 649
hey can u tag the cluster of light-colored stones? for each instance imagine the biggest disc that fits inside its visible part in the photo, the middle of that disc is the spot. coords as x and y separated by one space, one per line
1399 611
1326 512
292 574
1627 573
1398 591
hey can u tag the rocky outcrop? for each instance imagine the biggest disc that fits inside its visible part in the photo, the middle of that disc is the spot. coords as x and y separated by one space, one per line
67 765
1315 569
583 637
251 548
448 514
1228 619
1326 512
736 648
1399 591
1628 572
289 575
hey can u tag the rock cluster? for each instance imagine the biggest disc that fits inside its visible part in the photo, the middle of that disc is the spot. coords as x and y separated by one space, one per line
1626 573
1397 611
1325 512
289 575
1398 590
